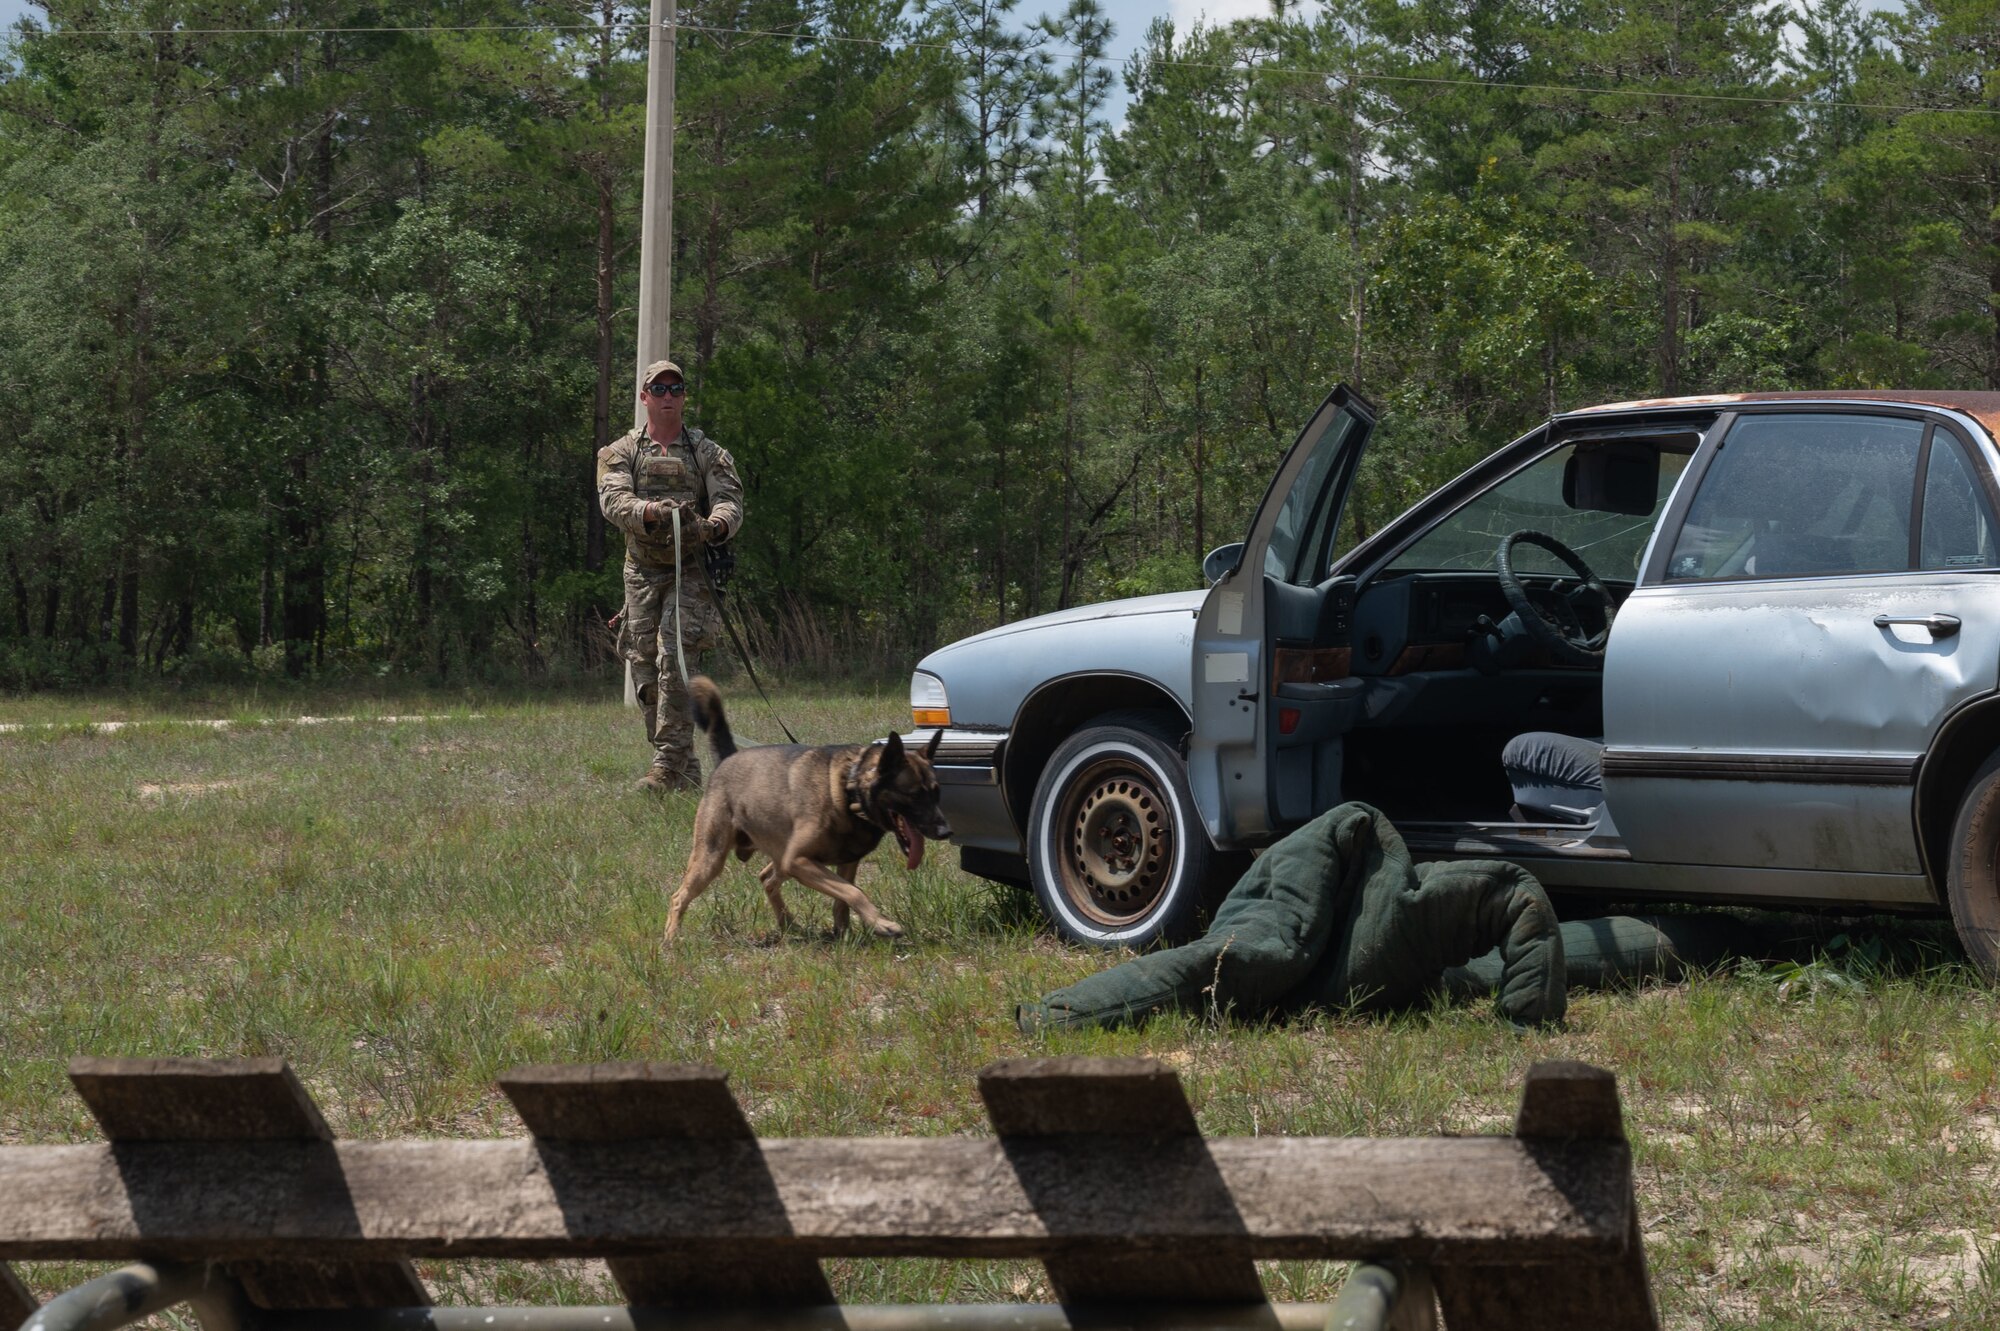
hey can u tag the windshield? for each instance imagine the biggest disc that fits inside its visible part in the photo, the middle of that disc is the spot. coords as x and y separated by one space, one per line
1532 499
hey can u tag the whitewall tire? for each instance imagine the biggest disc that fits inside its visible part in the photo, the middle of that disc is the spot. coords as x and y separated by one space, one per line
1116 851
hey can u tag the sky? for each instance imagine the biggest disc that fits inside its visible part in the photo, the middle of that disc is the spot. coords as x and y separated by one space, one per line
1130 17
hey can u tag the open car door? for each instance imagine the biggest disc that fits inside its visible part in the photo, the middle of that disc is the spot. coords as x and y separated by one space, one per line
1278 587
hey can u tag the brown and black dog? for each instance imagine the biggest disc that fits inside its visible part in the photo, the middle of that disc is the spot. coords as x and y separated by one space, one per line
816 811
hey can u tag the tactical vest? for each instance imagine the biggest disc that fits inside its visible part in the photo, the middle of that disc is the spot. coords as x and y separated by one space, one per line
670 471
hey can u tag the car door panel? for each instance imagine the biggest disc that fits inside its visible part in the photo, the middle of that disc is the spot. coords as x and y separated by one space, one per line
1771 722
1234 763
1790 733
1316 700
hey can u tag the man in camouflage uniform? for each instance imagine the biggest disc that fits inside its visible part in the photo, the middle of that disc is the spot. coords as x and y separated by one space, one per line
644 481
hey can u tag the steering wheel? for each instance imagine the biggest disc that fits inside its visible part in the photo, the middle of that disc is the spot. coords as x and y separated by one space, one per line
1555 626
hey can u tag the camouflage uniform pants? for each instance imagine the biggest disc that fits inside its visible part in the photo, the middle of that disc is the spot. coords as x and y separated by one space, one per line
650 614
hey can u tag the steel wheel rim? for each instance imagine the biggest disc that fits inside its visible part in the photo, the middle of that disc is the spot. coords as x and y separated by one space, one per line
1114 842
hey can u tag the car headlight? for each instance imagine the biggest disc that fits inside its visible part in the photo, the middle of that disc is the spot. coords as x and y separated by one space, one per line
928 705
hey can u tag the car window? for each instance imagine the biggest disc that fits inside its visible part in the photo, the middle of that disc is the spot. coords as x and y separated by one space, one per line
1957 523
1532 499
1298 550
1807 495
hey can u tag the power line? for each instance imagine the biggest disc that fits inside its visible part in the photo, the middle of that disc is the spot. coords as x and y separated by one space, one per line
1348 76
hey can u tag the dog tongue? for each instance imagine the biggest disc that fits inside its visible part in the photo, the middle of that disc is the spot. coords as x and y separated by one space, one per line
915 855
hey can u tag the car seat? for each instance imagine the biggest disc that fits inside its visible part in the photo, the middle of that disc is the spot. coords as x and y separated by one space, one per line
1556 778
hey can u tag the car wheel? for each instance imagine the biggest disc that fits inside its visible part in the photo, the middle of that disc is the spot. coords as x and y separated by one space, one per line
1972 879
1116 850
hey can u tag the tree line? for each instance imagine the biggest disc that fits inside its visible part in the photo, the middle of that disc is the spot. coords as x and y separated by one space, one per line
313 315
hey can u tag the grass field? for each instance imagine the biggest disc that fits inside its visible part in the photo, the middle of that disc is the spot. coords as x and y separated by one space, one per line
405 910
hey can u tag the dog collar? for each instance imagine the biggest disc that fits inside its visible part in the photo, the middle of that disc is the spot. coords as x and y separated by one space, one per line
853 785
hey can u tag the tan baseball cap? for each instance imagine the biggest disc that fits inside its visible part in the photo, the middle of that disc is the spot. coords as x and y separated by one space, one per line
660 367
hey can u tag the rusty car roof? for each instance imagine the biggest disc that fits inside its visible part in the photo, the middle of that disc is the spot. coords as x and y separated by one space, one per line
1982 407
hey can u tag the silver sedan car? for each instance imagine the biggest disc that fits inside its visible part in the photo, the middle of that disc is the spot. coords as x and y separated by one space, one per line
1728 649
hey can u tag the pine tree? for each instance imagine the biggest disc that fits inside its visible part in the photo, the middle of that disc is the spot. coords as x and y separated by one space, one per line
1677 135
1946 231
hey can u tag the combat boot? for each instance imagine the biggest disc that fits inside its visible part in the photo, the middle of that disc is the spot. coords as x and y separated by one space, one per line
656 775
672 772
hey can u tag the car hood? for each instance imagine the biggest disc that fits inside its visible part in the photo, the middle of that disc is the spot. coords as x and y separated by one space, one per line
1181 603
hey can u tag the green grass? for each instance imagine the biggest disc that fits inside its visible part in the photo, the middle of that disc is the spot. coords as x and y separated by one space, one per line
404 911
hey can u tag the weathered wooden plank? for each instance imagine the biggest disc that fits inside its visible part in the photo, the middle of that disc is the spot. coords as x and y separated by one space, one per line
16 1302
1563 1100
1527 1299
1476 1199
617 1102
197 1099
622 1102
139 1101
1417 1310
1138 1099
1564 1105
1051 1097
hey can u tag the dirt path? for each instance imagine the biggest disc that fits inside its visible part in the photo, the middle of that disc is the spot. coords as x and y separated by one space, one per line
113 727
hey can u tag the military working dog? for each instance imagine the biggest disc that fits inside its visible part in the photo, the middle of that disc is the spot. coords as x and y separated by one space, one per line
816 811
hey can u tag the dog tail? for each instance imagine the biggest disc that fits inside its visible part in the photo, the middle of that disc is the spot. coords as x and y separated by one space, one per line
705 705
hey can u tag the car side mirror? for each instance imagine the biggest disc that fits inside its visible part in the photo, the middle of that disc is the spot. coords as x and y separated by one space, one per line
1615 476
1222 560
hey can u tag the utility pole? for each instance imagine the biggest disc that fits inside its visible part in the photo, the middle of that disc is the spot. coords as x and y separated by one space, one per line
656 219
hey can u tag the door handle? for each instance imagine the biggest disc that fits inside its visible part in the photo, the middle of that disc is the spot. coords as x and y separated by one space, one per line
1941 626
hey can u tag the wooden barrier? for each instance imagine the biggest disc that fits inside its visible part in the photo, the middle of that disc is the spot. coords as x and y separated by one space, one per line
1097 1170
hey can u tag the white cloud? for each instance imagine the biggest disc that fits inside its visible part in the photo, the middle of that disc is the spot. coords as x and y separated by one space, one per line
1218 12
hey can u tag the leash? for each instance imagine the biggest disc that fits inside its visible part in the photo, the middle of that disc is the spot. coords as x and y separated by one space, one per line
721 609
680 657
742 653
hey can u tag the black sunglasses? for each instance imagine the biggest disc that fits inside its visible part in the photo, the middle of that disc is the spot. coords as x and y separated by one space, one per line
663 390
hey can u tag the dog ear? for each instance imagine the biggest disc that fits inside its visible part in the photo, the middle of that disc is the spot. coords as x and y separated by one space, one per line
930 749
892 753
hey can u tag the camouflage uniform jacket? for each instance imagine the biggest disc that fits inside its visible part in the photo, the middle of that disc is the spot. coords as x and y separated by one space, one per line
636 470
